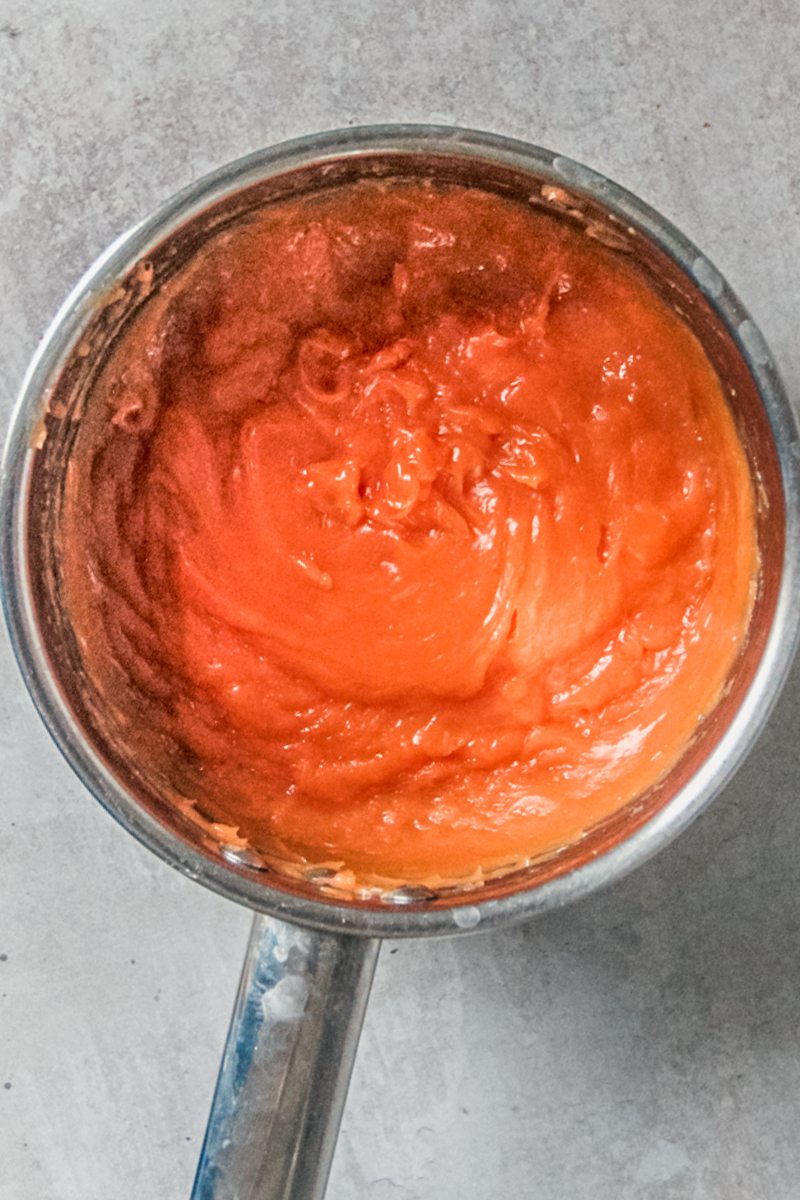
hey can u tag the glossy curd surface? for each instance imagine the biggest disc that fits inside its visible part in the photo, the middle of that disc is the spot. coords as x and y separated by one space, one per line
409 533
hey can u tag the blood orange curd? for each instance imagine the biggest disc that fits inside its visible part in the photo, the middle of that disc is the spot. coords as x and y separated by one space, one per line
408 534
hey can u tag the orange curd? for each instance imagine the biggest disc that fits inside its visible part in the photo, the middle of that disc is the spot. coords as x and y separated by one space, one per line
413 527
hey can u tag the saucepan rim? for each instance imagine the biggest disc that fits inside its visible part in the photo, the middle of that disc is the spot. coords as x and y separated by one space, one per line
470 912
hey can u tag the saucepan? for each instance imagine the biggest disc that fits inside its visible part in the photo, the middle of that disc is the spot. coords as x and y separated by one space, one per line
312 952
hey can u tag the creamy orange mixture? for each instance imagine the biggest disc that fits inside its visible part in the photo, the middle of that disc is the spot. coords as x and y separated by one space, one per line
415 528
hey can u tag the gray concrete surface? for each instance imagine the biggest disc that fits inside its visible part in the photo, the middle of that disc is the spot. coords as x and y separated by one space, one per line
644 1044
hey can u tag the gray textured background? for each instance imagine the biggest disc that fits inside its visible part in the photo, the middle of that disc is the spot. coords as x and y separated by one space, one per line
643 1044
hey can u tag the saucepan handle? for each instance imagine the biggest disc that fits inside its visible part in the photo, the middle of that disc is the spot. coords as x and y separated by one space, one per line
286 1066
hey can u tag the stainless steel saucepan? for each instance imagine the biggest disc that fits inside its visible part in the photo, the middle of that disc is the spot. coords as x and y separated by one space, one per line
309 965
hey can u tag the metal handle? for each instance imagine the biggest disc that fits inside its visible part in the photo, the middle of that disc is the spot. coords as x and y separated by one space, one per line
286 1066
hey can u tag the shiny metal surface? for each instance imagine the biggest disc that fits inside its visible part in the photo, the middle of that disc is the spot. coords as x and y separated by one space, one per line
284 1074
290 1146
